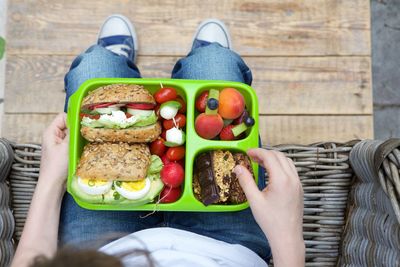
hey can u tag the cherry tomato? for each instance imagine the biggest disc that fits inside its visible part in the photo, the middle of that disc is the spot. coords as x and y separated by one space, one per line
93 117
169 194
180 120
101 105
182 110
157 147
176 153
164 134
201 102
144 106
165 94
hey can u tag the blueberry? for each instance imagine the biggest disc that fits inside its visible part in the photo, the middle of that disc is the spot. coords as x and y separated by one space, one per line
212 103
249 121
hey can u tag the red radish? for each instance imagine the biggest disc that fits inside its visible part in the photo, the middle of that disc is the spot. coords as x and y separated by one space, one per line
172 174
143 106
102 105
165 159
226 133
169 194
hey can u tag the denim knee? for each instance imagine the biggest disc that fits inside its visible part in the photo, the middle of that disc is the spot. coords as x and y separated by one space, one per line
98 62
212 62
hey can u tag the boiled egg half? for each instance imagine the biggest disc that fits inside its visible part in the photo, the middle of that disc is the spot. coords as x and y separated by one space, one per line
133 190
93 186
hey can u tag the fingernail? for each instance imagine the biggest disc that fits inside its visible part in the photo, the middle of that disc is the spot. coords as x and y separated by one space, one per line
238 170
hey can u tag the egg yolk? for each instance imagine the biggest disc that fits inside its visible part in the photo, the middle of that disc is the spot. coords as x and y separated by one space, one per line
93 182
134 186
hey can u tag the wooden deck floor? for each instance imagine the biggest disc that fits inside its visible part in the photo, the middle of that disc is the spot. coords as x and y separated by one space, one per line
310 59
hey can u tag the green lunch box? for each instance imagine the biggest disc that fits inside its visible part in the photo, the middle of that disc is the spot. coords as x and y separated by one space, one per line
188 90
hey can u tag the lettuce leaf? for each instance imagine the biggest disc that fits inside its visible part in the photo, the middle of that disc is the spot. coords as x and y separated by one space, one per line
155 165
118 123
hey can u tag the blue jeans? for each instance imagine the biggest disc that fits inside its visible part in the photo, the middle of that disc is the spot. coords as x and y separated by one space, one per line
77 225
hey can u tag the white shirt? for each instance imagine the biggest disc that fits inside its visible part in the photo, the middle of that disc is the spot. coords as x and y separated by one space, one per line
172 247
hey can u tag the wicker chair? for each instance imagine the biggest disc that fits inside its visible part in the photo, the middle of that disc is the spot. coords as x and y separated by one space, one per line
348 221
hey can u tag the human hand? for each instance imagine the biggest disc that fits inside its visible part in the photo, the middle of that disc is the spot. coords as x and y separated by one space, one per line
54 162
278 209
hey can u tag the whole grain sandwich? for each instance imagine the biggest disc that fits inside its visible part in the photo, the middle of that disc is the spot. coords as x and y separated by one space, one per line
214 180
110 173
119 113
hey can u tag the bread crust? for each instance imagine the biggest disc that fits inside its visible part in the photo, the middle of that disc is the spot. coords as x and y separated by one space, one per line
129 135
118 93
108 161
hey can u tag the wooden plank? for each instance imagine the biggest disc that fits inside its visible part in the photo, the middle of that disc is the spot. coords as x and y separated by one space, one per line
274 129
166 27
3 17
311 129
25 128
294 85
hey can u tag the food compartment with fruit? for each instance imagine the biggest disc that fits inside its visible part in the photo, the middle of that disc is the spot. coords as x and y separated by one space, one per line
223 114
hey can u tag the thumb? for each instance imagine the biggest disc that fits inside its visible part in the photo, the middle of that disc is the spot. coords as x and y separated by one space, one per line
247 183
66 138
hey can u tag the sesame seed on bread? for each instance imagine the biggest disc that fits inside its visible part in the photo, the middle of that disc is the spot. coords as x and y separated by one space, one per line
118 93
108 161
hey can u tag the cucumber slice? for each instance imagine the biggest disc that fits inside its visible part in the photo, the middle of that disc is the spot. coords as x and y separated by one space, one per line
238 129
139 112
214 93
107 110
227 122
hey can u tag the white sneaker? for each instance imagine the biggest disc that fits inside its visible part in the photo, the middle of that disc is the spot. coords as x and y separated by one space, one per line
212 31
118 35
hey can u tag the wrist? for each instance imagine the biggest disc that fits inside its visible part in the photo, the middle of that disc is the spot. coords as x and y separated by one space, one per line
50 186
288 251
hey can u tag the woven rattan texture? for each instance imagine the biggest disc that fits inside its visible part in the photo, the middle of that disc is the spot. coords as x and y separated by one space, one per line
6 218
372 232
23 179
326 177
324 172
